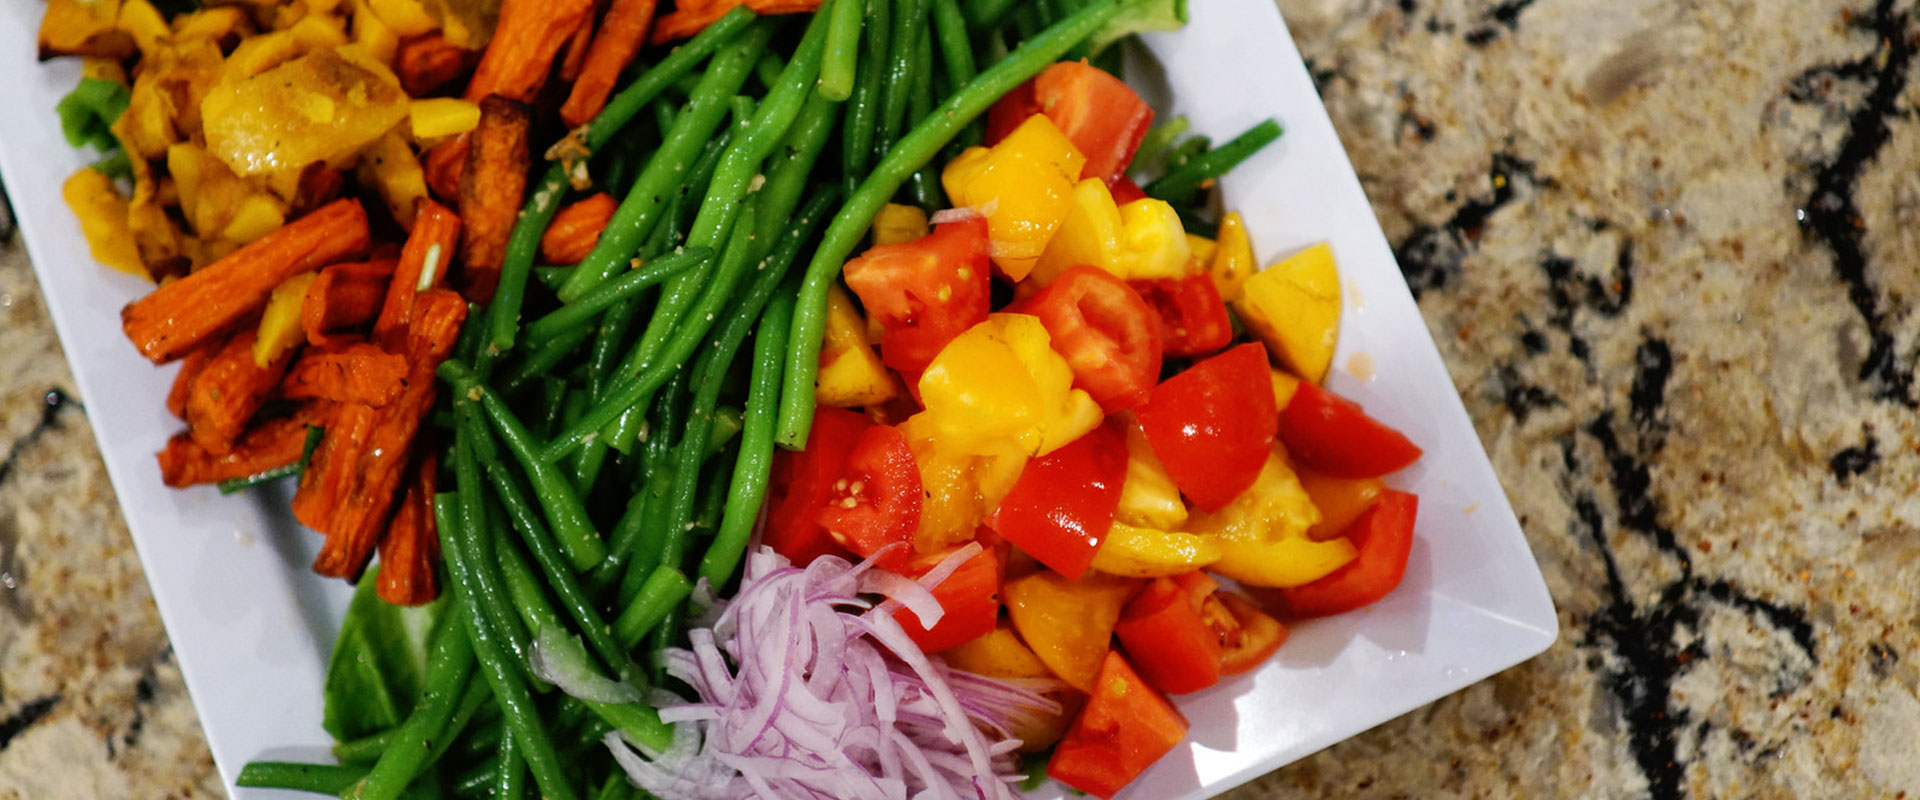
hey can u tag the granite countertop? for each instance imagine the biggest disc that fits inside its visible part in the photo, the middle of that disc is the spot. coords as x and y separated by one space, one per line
1670 253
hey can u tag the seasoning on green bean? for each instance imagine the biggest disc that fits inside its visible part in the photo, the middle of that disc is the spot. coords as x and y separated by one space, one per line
582 309
449 669
1181 184
541 361
790 169
488 587
711 100
516 704
751 468
933 132
543 201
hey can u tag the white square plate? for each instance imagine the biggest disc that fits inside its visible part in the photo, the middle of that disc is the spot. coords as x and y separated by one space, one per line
253 627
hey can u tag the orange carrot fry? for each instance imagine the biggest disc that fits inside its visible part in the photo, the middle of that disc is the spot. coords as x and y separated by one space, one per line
688 19
330 476
359 508
525 40
412 545
574 54
576 228
178 315
429 251
267 445
190 367
621 32
357 373
344 296
229 389
425 64
491 188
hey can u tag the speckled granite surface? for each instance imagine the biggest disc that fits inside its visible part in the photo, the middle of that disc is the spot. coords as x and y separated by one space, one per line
1670 251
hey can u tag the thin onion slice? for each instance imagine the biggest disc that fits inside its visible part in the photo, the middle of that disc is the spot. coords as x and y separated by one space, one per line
560 659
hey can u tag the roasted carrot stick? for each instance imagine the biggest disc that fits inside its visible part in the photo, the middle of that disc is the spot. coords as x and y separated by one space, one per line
573 54
178 315
330 476
269 444
621 32
525 40
427 63
360 507
688 19
227 392
190 367
491 188
344 296
576 228
428 253
443 165
356 373
411 547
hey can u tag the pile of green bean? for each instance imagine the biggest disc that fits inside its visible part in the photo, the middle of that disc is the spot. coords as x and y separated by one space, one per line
606 443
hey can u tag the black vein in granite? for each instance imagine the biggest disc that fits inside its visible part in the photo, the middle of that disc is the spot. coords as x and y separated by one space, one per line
1520 397
19 721
1831 213
1884 658
56 402
1431 255
1855 460
1504 15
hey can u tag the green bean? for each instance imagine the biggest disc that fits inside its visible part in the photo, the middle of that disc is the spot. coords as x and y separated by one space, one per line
996 49
630 533
655 538
699 524
909 26
742 109
726 425
665 635
565 515
552 276
1048 11
956 51
615 787
681 344
543 201
1158 141
1186 151
803 358
582 309
926 180
510 780
751 468
790 168
695 126
767 70
1181 185
544 358
449 669
663 114
516 704
843 48
1026 22
988 13
663 590
863 110
316 778
472 701
490 591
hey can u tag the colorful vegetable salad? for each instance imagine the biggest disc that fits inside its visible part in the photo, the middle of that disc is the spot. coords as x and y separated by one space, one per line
720 399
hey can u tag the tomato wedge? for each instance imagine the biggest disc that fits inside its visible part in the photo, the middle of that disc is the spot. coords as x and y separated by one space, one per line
970 596
1384 534
1124 190
1061 507
1256 639
1103 117
1125 727
1010 110
1106 332
1328 433
924 292
1192 317
876 499
1167 641
1213 425
801 483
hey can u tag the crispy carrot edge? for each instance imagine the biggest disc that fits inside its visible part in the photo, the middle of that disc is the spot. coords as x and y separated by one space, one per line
491 189
228 391
430 248
411 546
621 33
576 228
358 373
525 41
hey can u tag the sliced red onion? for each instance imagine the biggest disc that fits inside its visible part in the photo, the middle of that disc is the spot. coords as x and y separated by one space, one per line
560 659
806 690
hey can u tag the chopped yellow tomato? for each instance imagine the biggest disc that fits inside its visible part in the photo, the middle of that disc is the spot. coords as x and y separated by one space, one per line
1282 564
1294 307
1148 498
1275 507
1068 623
898 224
958 489
999 654
1024 186
1002 382
851 375
438 117
103 220
280 322
1231 261
1284 385
1203 248
1340 500
1134 552
1152 243
1142 239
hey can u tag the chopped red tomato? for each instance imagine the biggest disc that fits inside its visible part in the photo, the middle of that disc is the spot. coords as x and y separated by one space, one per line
1124 190
1061 507
1256 638
1105 331
925 292
1167 641
1009 111
801 483
1193 318
1328 433
970 596
1384 535
1125 727
1105 118
876 499
1213 425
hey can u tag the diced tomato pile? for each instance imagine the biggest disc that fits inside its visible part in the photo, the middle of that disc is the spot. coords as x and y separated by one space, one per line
1105 434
